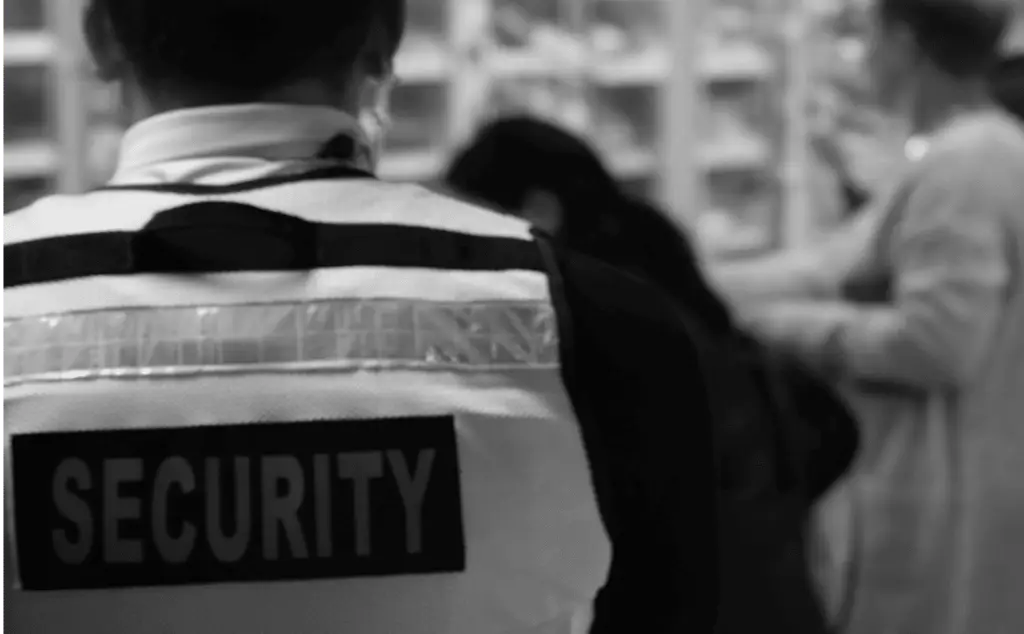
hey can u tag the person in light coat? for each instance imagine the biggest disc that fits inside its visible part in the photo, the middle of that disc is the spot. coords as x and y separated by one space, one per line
918 308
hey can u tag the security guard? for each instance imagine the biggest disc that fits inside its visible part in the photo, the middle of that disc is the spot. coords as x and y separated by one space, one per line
250 388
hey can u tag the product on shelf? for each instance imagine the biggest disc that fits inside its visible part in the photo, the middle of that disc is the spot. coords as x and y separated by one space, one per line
422 58
546 98
624 118
731 141
23 15
742 215
25 108
532 29
625 28
729 22
30 153
599 67
627 45
513 28
429 17
418 114
414 146
609 40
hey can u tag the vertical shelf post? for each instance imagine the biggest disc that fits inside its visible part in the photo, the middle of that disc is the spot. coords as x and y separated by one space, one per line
70 105
797 216
468 28
575 16
681 180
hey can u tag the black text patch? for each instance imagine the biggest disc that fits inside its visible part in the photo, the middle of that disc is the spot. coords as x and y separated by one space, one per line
254 502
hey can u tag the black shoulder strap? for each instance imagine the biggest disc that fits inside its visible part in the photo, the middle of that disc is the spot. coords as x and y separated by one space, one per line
223 237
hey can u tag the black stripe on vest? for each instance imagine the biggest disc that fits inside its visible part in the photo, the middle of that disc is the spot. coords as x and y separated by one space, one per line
223 237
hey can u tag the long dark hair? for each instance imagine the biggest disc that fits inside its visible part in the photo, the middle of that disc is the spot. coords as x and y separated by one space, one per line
509 158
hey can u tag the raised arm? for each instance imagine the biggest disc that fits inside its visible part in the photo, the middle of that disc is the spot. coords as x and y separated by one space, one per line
814 271
949 272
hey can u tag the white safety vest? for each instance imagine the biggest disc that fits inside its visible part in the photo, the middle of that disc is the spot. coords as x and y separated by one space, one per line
362 449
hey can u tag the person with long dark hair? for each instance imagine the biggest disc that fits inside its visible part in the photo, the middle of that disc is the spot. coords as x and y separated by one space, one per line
537 170
769 411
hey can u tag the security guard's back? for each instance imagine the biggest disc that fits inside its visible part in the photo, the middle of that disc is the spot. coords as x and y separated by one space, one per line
250 388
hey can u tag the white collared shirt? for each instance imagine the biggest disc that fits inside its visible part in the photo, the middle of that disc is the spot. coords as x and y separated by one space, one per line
223 144
228 145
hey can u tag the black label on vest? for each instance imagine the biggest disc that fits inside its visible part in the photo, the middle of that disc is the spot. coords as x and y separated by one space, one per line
238 503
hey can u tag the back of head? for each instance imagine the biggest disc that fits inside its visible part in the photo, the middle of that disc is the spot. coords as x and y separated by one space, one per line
652 246
960 37
511 158
239 50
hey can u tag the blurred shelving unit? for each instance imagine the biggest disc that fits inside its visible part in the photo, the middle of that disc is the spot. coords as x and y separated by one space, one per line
698 104
29 156
746 126
691 103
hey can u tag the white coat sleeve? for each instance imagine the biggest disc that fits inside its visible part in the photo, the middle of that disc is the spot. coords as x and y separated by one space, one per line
949 275
815 270
949 280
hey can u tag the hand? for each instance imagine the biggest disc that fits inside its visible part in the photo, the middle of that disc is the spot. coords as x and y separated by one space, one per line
811 330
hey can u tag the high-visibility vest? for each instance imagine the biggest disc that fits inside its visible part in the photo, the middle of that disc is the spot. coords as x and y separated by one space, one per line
380 445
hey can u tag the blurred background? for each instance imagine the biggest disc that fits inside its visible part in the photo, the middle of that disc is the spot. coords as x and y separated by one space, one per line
713 108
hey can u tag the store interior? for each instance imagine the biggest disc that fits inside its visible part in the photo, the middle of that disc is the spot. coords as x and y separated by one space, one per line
715 109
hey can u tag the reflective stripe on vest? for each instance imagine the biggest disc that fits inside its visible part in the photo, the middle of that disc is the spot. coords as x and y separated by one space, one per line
322 335
144 421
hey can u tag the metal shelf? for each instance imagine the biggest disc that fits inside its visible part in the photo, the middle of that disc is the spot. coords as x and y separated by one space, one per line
411 165
739 153
30 159
424 63
464 62
631 163
514 63
736 62
28 49
646 67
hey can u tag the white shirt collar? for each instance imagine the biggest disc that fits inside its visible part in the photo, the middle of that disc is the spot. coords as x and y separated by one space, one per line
268 132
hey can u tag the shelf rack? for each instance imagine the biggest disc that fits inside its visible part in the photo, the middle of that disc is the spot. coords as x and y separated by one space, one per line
464 63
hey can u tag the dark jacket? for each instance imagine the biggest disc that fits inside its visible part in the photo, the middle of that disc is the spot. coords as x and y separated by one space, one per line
631 363
782 436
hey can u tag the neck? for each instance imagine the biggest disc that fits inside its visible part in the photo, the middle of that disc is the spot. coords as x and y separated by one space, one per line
941 100
137 105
